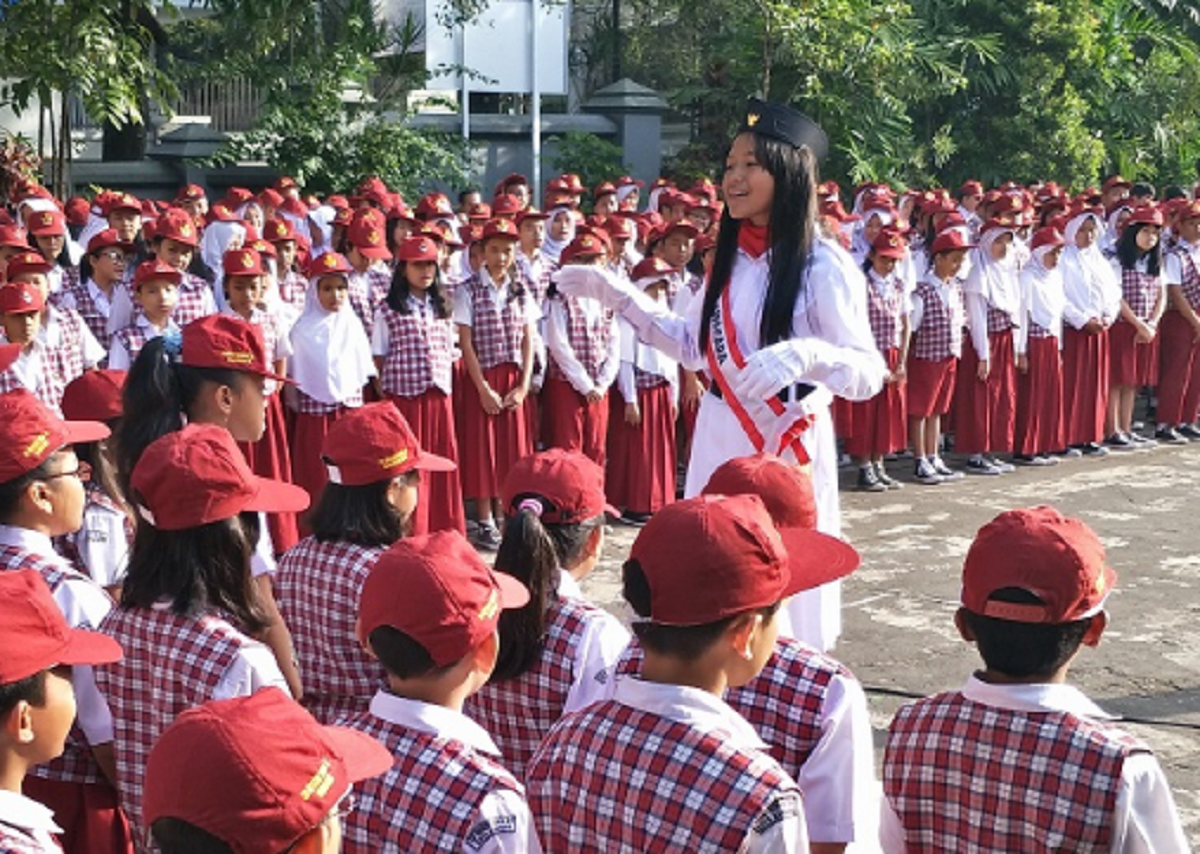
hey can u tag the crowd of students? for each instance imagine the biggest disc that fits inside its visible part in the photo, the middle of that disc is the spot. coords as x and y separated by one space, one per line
240 443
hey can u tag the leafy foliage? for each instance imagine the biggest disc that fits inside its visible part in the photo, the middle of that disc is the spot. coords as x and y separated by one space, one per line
594 159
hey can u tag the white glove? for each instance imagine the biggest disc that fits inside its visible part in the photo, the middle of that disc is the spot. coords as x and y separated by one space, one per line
771 369
595 283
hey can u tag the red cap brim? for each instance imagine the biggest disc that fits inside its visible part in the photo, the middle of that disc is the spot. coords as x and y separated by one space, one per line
275 496
88 647
378 253
82 432
363 756
513 594
432 462
815 559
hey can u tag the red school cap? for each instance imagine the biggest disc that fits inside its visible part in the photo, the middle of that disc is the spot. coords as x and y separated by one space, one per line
560 487
418 249
373 443
14 236
270 198
175 224
1143 215
1115 181
47 223
198 475
971 188
506 205
31 433
437 590
192 192
226 342
651 269
105 239
220 212
34 634
279 230
531 213
257 772
242 262
21 298
714 556
1046 236
480 211
77 210
366 234
328 264
890 243
95 396
27 262
949 240
502 228
154 271
1058 559
583 246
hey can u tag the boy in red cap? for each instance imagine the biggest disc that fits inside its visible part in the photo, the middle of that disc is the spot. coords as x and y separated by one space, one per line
37 701
42 496
253 775
429 612
189 603
156 292
1018 755
376 467
108 256
666 764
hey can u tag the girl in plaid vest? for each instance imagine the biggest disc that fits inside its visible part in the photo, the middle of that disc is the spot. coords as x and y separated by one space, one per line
429 613
879 422
495 314
986 392
156 292
555 650
583 344
936 320
1039 433
1179 377
641 470
415 346
331 363
369 279
244 281
376 468
292 283
1134 341
106 263
49 232
678 768
189 607
42 496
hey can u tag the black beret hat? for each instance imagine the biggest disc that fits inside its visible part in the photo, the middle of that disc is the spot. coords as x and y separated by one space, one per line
781 122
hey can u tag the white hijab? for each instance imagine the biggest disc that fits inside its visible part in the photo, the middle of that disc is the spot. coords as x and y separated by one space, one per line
552 248
322 218
995 280
1089 264
331 356
1044 289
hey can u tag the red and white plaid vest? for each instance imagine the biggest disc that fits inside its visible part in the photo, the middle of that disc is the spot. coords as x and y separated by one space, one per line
92 315
306 405
615 778
518 713
1191 277
195 300
48 385
647 380
538 274
76 764
367 290
588 337
498 321
1140 291
997 320
420 350
172 663
1036 330
66 359
963 776
883 311
293 288
318 587
940 334
429 798
133 338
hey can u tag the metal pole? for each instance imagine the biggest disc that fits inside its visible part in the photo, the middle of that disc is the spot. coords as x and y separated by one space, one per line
466 88
616 40
535 97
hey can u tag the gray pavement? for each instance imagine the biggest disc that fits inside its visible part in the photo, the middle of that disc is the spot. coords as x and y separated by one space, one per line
898 607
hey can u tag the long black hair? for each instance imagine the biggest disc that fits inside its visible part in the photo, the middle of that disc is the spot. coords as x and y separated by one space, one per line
533 552
1129 253
793 230
361 515
397 296
159 392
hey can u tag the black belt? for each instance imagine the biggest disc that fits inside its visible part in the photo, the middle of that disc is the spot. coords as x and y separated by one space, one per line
787 394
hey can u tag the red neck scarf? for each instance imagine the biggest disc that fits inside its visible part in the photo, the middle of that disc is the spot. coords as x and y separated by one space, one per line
752 238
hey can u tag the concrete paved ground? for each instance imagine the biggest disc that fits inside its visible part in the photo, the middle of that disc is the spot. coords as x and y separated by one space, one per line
898 607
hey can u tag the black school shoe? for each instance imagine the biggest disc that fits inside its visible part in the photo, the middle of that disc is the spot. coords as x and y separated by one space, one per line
634 520
868 480
1170 436
1188 431
1093 449
1119 442
885 479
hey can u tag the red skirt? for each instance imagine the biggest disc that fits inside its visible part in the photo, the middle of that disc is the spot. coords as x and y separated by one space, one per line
879 423
88 813
985 411
930 386
1039 426
308 435
1085 384
269 458
1179 371
492 443
640 476
1131 363
571 423
439 507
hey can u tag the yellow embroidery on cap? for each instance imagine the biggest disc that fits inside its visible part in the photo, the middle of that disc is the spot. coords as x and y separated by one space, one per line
47 218
393 460
491 607
38 446
247 259
752 119
330 261
1100 583
372 238
237 357
894 240
185 229
321 782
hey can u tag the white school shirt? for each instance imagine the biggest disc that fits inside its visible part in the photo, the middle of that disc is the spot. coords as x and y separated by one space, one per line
700 710
102 544
120 359
84 605
596 652
51 333
1172 263
1145 820
635 353
558 342
26 825
503 810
